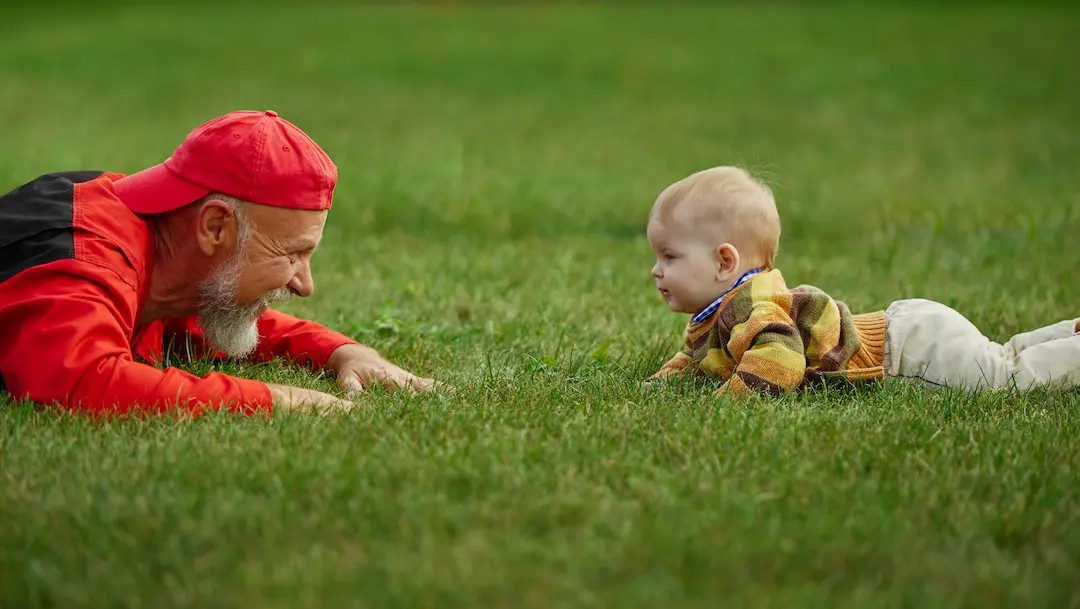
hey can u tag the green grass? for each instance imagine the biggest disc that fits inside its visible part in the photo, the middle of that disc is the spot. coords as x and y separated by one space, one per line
497 166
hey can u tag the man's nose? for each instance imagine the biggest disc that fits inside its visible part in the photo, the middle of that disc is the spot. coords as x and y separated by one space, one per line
303 284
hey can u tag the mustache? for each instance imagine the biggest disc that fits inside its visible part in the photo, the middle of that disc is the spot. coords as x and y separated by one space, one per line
277 295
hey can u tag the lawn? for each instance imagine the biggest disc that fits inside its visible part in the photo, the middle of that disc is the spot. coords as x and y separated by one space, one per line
497 168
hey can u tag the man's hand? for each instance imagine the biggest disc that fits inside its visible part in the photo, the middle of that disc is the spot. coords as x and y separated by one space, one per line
288 399
358 367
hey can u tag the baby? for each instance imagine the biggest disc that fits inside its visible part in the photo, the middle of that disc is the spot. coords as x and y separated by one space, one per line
715 235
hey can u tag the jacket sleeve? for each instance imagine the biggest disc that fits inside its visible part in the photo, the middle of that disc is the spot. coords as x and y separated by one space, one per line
65 331
305 342
768 352
280 335
673 367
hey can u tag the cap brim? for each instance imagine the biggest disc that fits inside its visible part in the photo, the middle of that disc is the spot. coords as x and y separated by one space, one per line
156 189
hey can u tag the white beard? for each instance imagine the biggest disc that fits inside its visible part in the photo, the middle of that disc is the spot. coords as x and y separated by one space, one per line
229 327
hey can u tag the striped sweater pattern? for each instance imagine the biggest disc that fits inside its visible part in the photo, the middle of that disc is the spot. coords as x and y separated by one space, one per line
766 338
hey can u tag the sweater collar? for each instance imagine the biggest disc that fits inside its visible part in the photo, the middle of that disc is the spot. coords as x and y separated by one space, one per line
709 310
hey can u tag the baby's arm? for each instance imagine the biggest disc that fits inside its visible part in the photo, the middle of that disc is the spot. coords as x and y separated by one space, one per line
673 367
769 352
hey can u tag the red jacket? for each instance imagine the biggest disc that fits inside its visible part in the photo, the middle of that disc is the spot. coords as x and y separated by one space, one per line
75 268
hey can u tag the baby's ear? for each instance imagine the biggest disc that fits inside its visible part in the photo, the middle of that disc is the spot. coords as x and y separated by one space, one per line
727 259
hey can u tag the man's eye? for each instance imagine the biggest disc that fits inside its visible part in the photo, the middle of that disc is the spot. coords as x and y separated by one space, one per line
293 260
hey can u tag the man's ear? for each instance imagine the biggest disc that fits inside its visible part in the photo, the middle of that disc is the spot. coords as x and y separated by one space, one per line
215 227
727 261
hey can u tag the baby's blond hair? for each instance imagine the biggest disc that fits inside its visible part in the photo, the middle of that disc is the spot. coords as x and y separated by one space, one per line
728 202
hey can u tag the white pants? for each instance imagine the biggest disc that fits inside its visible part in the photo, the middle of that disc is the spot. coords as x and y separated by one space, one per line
930 343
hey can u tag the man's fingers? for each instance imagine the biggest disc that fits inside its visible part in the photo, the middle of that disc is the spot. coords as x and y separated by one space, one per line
390 378
417 383
350 383
423 384
334 404
337 407
420 384
396 379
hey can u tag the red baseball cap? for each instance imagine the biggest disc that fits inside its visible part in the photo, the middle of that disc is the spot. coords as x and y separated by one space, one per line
254 156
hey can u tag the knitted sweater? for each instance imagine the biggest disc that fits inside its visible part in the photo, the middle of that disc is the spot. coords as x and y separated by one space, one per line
767 338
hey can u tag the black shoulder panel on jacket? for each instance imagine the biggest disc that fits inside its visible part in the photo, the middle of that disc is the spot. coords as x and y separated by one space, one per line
36 222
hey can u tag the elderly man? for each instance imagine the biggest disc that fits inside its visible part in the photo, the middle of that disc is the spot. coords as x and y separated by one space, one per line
102 275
